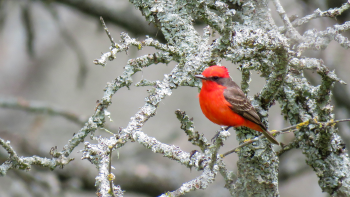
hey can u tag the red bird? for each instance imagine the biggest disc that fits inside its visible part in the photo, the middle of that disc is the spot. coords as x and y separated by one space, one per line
224 103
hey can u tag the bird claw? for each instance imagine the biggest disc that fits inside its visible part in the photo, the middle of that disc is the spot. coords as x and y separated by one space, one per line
193 152
218 133
215 137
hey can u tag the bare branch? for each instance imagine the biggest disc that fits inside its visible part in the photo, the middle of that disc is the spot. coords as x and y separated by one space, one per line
294 33
123 18
107 31
39 107
29 27
318 13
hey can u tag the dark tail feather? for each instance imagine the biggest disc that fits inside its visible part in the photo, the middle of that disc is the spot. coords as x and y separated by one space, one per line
270 137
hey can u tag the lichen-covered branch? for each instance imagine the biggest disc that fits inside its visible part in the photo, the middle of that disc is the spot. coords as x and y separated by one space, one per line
99 154
39 107
293 32
287 130
321 145
201 182
255 43
179 76
199 140
319 40
193 136
24 163
318 13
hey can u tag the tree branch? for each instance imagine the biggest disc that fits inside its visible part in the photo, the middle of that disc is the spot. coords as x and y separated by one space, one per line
318 13
39 107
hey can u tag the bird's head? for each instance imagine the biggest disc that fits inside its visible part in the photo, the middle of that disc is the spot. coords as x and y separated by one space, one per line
214 73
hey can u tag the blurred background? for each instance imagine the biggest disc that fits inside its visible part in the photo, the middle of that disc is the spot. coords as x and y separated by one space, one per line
46 54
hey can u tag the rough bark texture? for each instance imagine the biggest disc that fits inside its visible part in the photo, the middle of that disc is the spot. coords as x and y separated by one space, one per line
250 38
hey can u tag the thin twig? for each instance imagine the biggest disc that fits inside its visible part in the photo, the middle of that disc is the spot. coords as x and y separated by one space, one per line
107 31
318 13
294 33
111 176
288 147
286 130
38 107
193 136
12 153
221 136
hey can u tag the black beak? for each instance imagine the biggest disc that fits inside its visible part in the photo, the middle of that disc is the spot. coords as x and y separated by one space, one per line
200 77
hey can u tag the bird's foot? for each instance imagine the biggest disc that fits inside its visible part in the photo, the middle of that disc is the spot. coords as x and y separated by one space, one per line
218 133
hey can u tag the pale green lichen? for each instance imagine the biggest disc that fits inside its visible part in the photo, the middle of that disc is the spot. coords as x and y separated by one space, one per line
255 43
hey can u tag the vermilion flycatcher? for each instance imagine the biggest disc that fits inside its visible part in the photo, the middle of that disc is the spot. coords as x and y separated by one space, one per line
224 103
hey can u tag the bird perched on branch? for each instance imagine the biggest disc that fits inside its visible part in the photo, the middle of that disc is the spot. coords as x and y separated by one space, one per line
224 103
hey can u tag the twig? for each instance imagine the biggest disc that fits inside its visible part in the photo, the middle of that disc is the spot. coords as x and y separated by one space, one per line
318 13
201 182
193 136
12 153
120 16
24 163
200 141
288 147
324 38
107 31
27 20
229 176
222 135
162 56
100 155
38 107
294 33
111 176
286 130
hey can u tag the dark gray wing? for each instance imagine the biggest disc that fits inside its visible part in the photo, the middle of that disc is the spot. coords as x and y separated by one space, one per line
242 106
240 103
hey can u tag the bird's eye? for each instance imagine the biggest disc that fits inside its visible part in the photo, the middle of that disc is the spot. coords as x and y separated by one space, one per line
215 78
